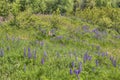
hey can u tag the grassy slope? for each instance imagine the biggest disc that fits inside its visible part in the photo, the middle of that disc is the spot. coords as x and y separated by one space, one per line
67 26
75 40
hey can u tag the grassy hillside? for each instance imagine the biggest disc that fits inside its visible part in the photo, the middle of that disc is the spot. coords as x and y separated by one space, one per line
55 47
59 39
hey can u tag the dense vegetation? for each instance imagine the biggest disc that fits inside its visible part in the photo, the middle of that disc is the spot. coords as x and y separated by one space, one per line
59 39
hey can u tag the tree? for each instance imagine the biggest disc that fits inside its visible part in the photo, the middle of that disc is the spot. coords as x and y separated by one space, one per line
22 4
39 6
4 8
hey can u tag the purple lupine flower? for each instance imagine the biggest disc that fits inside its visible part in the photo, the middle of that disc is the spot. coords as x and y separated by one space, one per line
80 66
111 58
97 62
85 57
73 64
1 52
24 52
103 54
42 61
96 31
29 53
77 72
45 53
71 72
59 37
35 56
89 58
114 63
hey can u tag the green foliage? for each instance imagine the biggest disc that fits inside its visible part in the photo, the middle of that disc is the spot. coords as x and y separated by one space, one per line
63 5
70 41
4 8
22 5
41 26
106 18
39 6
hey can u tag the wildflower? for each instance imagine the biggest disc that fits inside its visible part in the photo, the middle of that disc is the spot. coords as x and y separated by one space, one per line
59 37
77 72
1 52
71 71
73 64
80 66
111 58
42 61
96 62
89 58
114 63
103 54
29 53
85 57
45 53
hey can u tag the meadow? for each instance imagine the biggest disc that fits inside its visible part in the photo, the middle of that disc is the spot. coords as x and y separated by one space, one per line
39 44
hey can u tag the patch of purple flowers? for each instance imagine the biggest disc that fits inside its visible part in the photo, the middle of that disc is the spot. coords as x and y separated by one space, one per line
77 71
96 62
86 57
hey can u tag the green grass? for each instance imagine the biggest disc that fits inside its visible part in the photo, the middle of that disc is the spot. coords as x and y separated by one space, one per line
60 52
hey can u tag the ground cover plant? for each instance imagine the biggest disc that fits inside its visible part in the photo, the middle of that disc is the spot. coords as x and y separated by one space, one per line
59 40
